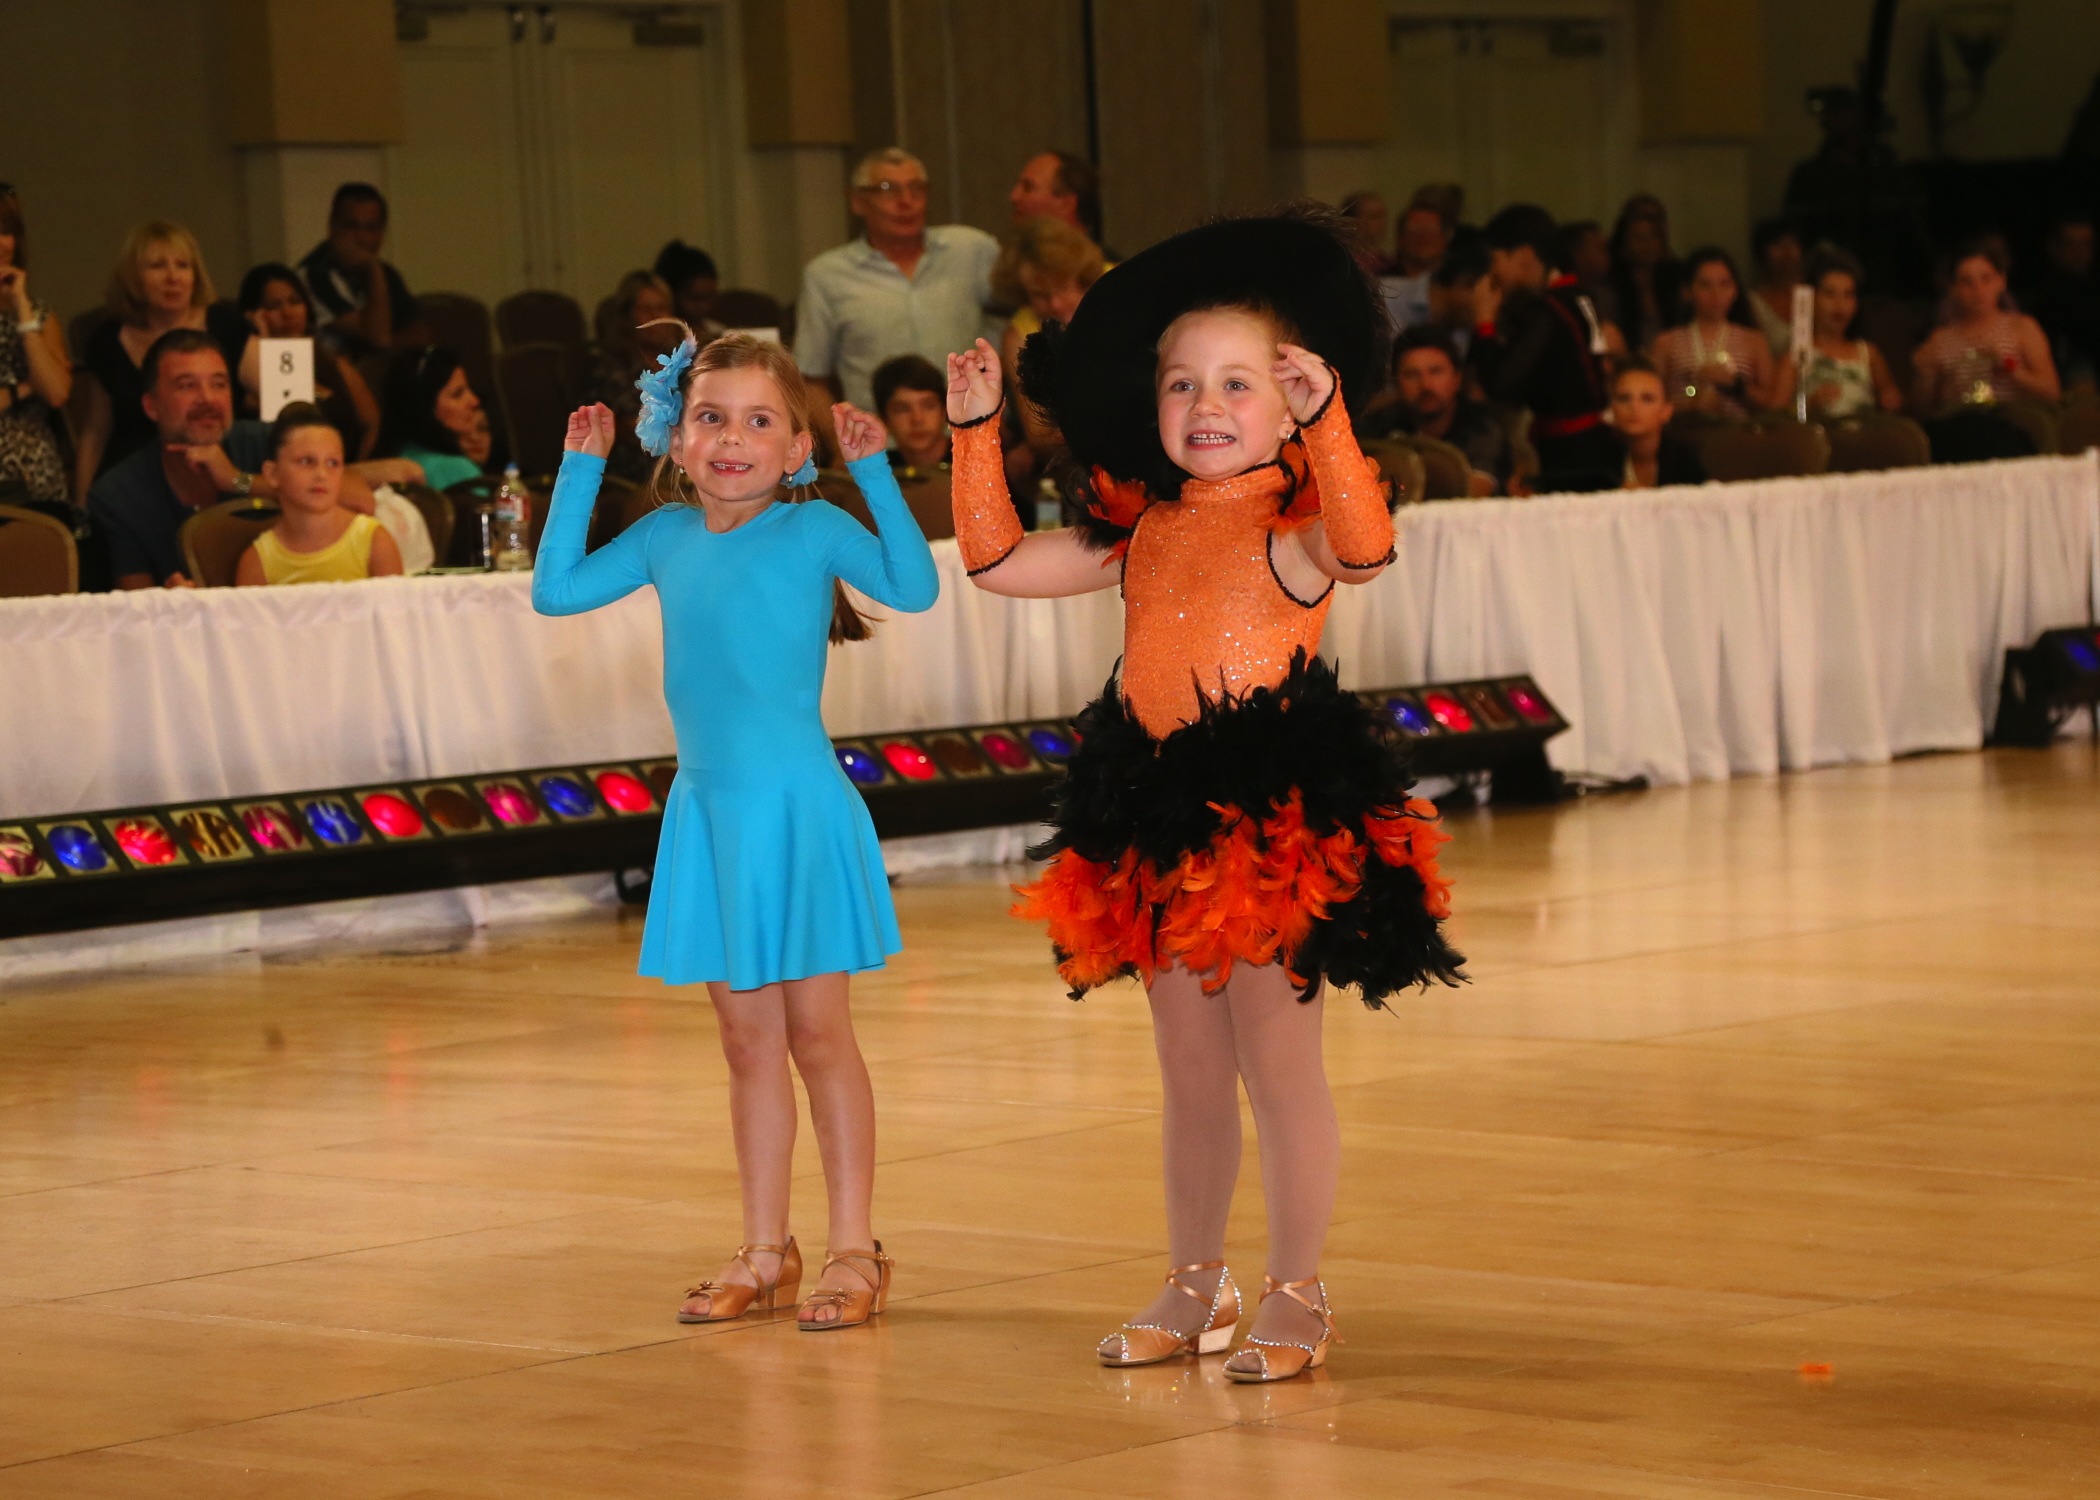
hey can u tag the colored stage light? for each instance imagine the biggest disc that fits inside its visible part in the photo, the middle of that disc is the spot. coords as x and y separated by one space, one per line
1053 745
1528 703
661 774
2084 654
18 857
76 848
333 822
861 768
2046 683
1007 753
145 842
567 797
958 755
909 761
273 827
623 792
1409 716
393 815
451 811
1488 707
210 834
509 802
1449 712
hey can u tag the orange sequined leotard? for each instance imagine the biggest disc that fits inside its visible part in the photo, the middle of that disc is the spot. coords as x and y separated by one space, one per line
1205 612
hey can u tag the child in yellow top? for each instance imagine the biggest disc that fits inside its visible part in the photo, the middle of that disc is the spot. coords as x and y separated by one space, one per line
316 538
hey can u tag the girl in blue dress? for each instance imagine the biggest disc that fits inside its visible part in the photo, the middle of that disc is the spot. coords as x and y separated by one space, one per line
769 884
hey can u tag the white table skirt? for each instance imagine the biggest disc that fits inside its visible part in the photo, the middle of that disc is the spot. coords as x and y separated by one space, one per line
1684 633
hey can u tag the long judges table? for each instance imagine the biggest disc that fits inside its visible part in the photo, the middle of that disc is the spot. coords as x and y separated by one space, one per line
1686 634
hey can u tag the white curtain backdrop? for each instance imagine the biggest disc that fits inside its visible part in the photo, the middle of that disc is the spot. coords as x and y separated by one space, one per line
1685 634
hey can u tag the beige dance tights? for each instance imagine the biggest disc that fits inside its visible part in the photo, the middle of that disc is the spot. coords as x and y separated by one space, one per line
1256 1031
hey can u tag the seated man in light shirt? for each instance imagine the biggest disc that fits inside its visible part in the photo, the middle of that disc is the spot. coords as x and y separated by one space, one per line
901 288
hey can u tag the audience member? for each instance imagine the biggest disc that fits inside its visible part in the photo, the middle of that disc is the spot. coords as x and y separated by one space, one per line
274 300
1058 185
315 538
1540 346
1051 266
1775 244
1646 277
1366 211
366 299
1449 201
432 417
1423 240
2066 299
1846 374
1453 305
901 288
1716 362
159 284
35 375
1586 253
1433 404
1641 411
911 397
694 283
627 345
1983 351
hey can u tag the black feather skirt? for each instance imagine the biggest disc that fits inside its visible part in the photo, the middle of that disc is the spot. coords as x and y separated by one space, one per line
1277 828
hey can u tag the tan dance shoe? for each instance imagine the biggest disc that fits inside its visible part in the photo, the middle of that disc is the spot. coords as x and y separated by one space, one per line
1258 1361
855 1304
1150 1344
718 1301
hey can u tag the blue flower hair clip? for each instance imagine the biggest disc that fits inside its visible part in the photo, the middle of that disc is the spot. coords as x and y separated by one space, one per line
661 401
807 474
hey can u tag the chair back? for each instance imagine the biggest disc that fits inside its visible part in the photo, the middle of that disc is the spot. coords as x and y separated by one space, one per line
1446 474
1876 440
2037 419
537 385
1402 465
438 515
37 554
740 307
837 486
2079 427
214 539
540 317
460 323
1765 452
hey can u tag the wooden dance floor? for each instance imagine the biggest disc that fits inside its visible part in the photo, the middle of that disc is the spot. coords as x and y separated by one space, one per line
1761 1159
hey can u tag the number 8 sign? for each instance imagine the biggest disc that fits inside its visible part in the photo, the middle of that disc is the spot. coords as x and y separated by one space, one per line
287 370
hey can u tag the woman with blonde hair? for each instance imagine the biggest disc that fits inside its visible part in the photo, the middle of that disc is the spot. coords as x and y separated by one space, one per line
159 283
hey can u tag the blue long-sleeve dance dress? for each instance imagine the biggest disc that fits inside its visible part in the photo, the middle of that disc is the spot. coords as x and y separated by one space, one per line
768 866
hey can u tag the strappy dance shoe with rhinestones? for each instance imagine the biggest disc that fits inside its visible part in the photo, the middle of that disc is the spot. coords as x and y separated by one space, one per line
855 1304
1151 1343
1259 1360
714 1301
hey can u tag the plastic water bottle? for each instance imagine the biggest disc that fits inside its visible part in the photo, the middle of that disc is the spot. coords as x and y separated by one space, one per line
513 552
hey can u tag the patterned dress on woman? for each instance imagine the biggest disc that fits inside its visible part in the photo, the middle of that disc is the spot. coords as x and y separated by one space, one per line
28 447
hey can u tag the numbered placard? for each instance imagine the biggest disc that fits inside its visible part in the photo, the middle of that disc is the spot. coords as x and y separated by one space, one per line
286 374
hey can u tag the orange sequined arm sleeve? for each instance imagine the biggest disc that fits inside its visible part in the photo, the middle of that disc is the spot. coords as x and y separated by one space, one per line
986 527
1353 496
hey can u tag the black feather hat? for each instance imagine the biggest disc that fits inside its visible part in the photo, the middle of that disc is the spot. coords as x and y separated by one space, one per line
1094 377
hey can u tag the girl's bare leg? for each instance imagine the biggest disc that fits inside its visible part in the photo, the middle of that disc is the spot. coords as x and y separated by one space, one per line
842 1107
1199 1135
754 1029
1277 1039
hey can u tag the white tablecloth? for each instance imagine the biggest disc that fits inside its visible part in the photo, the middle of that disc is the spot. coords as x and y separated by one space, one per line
1684 633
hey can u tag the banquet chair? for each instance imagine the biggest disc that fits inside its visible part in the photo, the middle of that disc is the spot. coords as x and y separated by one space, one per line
2037 419
438 515
931 495
461 323
1765 452
837 486
537 384
37 554
1400 464
540 317
740 307
1446 475
214 539
1876 440
2079 427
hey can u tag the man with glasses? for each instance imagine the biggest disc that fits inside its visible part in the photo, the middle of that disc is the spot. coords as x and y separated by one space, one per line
901 288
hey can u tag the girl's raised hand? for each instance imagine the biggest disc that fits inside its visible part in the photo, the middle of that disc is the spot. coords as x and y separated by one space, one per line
859 435
973 383
591 430
1307 380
